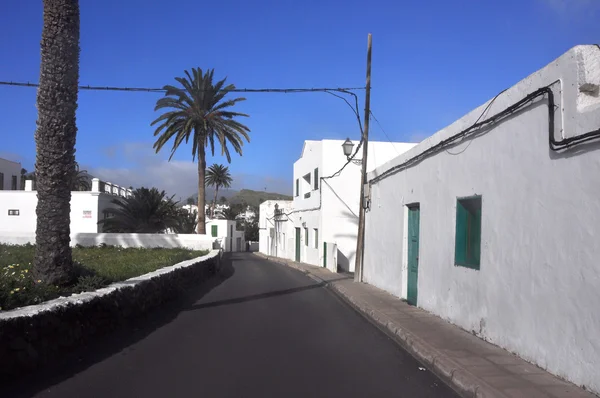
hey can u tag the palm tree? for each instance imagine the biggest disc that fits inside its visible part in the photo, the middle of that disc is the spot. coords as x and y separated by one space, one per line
230 213
146 211
187 222
199 111
218 176
55 140
80 180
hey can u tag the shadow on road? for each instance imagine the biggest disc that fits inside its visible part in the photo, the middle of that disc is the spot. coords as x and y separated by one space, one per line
107 345
254 297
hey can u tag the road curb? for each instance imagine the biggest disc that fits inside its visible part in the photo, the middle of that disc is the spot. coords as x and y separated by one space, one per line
463 382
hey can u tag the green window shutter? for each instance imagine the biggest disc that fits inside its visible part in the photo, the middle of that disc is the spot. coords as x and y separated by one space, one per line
305 236
297 187
214 230
461 234
475 238
468 232
316 238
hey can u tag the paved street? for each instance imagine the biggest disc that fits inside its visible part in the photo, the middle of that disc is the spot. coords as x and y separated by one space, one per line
259 330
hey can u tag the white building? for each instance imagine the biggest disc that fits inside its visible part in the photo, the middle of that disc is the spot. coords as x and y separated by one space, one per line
273 231
224 232
17 208
495 228
227 235
10 175
324 210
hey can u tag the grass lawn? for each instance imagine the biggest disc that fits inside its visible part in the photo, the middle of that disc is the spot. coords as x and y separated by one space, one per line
96 267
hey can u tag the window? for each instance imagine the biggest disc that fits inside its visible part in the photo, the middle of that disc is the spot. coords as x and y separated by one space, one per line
307 185
214 230
1 181
468 232
316 182
13 184
297 186
316 238
305 236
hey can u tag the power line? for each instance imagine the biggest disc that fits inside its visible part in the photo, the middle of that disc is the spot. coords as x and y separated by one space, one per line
346 90
386 134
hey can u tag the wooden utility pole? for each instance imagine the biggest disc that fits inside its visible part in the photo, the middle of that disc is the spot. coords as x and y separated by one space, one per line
360 241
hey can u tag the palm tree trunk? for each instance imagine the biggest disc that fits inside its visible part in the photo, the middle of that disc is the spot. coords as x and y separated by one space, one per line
55 139
215 201
201 189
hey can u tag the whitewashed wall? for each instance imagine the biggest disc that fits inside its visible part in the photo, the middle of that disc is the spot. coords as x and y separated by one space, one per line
190 241
84 211
10 169
276 245
537 292
227 235
330 213
341 195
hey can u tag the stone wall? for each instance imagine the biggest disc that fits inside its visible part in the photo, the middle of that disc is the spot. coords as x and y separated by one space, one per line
34 335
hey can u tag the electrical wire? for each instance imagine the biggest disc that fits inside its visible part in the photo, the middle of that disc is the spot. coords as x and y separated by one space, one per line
162 90
555 145
331 91
477 121
386 134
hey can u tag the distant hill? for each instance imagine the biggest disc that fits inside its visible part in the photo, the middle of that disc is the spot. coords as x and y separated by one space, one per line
248 196
255 198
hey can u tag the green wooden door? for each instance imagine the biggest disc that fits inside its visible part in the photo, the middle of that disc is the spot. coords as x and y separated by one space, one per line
298 244
413 254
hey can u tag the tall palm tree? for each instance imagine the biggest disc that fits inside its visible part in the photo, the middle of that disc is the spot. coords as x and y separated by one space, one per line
146 211
199 111
55 140
218 176
80 180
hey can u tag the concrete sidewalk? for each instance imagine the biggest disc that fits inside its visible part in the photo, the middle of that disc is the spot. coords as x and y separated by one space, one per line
470 365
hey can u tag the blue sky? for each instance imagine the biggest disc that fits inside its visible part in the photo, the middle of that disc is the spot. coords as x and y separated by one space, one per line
433 61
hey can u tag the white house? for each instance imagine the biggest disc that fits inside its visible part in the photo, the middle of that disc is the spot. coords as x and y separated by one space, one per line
324 210
223 231
17 208
493 222
228 237
10 173
272 227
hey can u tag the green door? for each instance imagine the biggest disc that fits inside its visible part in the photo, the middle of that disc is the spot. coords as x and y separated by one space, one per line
413 254
298 244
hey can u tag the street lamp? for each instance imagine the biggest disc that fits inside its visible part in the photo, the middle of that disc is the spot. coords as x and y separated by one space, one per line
348 146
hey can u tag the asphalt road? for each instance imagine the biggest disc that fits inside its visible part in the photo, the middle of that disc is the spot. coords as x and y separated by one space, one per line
259 330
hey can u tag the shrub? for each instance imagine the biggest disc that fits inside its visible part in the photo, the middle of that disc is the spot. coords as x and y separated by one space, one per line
95 267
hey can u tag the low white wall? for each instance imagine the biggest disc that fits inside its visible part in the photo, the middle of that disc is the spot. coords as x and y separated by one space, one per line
190 241
85 211
537 290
